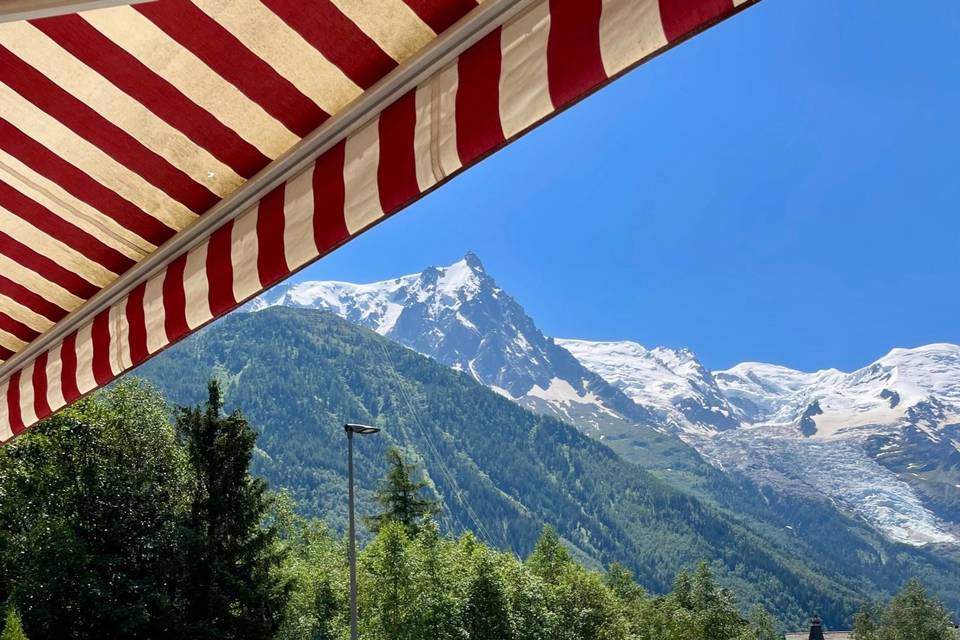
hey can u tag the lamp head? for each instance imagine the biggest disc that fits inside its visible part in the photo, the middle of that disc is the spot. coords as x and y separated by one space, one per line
362 429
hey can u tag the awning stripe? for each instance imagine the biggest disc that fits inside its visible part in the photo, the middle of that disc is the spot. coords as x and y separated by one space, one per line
39 273
574 62
110 139
224 53
30 299
27 406
393 25
520 73
629 31
10 341
524 80
59 252
16 328
114 106
174 299
71 210
58 230
53 396
100 165
24 314
439 16
80 185
162 98
41 406
271 253
15 426
681 17
397 171
220 270
133 32
329 226
478 99
334 35
262 32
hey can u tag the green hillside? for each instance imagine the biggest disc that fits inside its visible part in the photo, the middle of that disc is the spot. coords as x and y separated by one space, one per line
504 472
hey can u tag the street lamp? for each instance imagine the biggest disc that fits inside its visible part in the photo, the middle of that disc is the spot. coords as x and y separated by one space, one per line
351 429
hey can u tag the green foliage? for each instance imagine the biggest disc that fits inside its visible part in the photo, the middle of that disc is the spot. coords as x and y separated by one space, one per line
399 497
911 615
89 519
315 567
762 625
486 613
866 624
112 526
300 374
432 587
13 628
234 591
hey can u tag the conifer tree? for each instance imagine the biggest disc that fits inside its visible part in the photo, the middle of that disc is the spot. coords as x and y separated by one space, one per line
233 590
13 628
485 615
399 496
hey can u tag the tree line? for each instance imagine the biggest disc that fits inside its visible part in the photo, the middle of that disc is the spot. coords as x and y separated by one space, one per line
116 521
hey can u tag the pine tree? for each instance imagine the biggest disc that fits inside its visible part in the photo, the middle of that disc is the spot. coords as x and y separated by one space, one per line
399 496
13 629
233 591
485 615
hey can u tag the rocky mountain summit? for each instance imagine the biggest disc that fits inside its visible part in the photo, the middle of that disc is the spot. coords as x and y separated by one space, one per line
881 442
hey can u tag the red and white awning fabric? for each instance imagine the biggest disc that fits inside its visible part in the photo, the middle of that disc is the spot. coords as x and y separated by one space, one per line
162 162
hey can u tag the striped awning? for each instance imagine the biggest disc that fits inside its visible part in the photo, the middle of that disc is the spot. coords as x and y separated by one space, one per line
162 162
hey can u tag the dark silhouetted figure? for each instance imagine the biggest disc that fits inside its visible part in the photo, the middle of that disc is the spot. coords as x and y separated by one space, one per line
816 628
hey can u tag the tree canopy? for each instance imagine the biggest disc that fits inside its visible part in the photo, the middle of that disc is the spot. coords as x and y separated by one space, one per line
911 615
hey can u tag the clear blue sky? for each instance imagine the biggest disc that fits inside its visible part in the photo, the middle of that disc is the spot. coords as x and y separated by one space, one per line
783 188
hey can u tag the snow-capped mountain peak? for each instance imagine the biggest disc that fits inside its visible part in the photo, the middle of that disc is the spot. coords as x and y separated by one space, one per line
672 381
458 315
883 441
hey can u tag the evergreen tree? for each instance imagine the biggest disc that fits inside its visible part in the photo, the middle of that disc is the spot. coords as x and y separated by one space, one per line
486 616
233 590
13 628
914 615
399 496
683 590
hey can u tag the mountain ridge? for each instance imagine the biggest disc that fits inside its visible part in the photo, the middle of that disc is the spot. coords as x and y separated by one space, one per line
899 417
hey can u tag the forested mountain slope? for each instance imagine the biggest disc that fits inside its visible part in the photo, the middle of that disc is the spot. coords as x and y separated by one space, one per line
502 471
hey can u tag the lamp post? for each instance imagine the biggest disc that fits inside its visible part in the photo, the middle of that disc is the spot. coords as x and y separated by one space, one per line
351 429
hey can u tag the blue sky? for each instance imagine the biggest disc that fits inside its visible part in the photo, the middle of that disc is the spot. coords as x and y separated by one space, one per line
783 188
